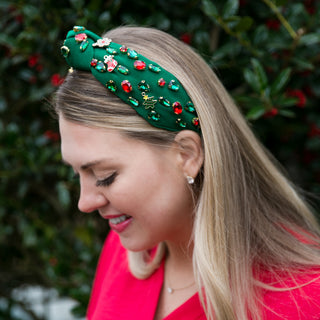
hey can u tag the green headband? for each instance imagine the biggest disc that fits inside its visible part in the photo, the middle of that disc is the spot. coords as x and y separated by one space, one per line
153 92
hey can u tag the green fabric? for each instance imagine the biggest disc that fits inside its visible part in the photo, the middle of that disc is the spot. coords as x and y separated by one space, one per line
80 48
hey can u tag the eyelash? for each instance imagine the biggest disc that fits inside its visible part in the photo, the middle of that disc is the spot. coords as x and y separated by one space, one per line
107 181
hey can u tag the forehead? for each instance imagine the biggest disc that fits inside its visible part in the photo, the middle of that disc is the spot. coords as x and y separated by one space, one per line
79 141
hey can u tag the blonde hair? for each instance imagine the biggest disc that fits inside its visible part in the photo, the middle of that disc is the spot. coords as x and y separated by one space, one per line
248 216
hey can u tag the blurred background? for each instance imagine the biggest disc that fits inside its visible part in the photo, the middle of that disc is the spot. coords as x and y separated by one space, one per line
266 52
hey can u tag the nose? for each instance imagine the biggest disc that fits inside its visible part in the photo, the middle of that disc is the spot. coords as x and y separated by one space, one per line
91 198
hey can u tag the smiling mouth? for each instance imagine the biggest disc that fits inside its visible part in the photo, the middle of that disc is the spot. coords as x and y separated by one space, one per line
118 220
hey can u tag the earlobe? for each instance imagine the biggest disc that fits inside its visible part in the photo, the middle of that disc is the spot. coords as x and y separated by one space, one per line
190 152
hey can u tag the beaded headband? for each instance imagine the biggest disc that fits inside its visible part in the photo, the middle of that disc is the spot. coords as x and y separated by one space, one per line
153 92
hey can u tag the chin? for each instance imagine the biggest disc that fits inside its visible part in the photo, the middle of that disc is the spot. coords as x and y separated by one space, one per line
137 246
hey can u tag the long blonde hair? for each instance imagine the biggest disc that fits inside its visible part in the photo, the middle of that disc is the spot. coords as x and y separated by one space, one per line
248 216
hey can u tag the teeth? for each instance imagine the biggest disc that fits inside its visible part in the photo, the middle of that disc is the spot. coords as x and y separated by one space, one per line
118 220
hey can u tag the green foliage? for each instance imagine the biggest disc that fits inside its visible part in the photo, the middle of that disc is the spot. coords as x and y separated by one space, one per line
265 52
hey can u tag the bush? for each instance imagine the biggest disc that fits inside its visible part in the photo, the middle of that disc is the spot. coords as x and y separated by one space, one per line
265 52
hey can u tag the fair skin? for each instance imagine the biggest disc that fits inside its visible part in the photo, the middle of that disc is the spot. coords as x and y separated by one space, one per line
143 190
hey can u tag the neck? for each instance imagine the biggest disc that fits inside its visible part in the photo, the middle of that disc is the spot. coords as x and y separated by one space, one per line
179 267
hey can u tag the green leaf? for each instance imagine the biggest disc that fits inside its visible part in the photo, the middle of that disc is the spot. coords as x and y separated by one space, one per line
251 79
280 81
285 102
244 24
260 35
230 8
261 75
63 194
310 39
209 9
255 113
302 64
287 113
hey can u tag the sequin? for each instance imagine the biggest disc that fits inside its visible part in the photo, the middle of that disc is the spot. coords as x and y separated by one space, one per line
126 86
177 108
101 67
84 45
161 82
154 68
111 85
195 122
133 101
164 102
173 85
122 69
143 86
181 123
111 51
78 28
123 49
80 37
190 107
132 54
153 115
93 62
65 51
139 65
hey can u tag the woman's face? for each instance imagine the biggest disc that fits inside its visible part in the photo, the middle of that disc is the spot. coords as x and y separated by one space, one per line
140 188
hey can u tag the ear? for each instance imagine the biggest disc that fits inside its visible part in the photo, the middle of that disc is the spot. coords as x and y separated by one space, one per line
190 152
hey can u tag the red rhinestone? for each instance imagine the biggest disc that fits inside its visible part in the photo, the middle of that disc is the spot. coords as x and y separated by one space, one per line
80 37
177 107
123 49
126 86
93 62
161 82
195 121
139 65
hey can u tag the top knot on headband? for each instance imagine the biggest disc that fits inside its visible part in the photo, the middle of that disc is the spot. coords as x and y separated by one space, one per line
153 92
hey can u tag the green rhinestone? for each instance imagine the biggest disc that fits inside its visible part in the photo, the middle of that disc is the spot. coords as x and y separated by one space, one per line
133 101
111 85
78 28
153 115
164 102
173 85
181 123
190 107
143 86
65 51
122 69
111 51
154 68
132 54
84 45
101 67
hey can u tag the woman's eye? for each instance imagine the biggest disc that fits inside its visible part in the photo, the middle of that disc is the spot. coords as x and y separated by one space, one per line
107 181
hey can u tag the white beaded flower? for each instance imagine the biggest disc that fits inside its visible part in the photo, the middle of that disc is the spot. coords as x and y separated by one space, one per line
104 42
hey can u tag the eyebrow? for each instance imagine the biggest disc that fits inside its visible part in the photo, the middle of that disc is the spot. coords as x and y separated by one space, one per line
87 165
91 164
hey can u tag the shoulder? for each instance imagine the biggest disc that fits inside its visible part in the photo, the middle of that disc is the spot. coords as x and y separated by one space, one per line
294 297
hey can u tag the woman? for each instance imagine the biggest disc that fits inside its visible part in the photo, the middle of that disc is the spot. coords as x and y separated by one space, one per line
204 226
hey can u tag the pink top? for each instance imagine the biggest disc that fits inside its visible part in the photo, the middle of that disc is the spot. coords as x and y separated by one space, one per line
117 295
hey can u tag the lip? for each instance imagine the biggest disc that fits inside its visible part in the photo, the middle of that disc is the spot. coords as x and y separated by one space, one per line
120 227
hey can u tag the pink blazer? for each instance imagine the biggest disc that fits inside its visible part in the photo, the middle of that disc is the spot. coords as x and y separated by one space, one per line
117 295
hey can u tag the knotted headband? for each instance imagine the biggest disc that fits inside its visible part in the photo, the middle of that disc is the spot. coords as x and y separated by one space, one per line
153 92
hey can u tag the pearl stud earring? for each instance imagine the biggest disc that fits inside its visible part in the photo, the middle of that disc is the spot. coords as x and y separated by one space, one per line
190 180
